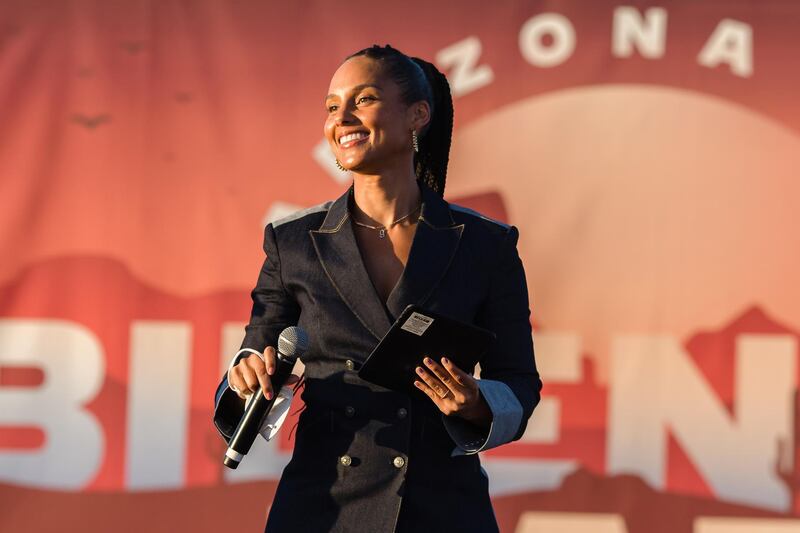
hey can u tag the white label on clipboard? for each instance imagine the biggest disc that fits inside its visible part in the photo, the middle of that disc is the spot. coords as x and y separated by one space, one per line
417 323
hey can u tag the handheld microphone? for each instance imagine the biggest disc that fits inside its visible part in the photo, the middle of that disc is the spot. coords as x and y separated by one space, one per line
292 343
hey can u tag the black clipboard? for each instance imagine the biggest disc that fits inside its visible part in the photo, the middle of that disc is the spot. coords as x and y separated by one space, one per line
418 333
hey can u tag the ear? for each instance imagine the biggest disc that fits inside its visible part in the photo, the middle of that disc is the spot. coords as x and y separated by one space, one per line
420 114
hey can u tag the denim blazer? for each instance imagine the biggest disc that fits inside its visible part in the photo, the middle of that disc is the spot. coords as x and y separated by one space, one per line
367 458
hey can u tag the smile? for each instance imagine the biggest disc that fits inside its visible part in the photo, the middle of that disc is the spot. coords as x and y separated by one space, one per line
351 139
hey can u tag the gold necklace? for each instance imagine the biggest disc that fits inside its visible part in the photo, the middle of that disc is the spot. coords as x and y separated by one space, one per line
382 229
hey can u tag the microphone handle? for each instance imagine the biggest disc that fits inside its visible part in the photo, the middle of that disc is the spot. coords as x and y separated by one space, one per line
250 423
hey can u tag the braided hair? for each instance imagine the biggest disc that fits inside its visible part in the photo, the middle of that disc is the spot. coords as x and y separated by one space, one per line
421 80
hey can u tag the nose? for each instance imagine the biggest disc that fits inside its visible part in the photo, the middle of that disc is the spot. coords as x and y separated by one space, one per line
343 115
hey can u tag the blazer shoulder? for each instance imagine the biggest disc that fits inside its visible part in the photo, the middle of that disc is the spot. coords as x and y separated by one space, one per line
302 220
482 223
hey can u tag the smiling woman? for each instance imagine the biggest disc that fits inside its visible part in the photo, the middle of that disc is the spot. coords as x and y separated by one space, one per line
367 458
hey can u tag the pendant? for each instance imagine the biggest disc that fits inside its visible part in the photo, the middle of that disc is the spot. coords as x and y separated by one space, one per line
382 233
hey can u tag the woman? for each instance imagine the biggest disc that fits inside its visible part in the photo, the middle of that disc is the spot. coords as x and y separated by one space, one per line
367 458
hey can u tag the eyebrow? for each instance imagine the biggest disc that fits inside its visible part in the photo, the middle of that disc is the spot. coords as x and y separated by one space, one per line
356 89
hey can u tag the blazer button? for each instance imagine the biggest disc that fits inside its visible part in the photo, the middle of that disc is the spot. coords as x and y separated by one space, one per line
349 411
345 460
401 413
349 365
399 462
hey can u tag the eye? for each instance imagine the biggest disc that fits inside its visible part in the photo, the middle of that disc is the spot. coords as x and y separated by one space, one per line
362 98
331 108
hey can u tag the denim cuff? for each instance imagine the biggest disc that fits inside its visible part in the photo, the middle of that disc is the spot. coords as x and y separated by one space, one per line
506 418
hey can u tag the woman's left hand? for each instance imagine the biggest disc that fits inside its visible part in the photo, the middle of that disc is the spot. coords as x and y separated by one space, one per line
453 391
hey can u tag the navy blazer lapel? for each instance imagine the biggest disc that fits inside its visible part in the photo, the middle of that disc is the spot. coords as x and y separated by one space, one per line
432 250
336 247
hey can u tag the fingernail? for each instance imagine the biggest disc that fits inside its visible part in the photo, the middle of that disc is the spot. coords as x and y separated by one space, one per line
445 361
419 370
271 370
428 360
269 395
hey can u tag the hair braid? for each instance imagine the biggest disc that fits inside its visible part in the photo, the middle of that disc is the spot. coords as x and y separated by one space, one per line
434 150
421 80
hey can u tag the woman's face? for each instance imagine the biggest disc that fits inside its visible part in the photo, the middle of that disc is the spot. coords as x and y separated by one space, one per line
368 126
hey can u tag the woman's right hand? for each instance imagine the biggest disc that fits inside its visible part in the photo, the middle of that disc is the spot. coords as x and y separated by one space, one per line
251 372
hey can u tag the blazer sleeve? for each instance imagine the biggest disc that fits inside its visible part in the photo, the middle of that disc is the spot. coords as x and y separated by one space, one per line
509 382
274 309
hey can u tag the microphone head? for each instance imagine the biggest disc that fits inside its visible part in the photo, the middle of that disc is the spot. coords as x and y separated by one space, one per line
293 342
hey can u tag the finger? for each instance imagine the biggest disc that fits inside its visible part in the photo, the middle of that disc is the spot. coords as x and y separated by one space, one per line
460 377
270 359
259 369
264 381
443 404
238 383
429 392
444 376
249 377
440 388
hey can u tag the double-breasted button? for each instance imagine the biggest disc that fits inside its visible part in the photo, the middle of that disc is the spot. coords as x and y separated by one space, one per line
402 413
349 411
399 462
345 460
349 365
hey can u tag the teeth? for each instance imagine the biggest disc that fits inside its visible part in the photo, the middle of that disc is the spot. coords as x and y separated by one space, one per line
352 136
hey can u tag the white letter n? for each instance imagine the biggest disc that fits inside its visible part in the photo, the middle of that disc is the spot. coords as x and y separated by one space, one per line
648 34
655 387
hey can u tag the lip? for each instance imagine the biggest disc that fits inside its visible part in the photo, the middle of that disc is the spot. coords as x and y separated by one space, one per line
354 142
341 132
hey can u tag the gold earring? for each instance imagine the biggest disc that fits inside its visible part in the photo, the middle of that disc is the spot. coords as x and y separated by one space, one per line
414 140
340 165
